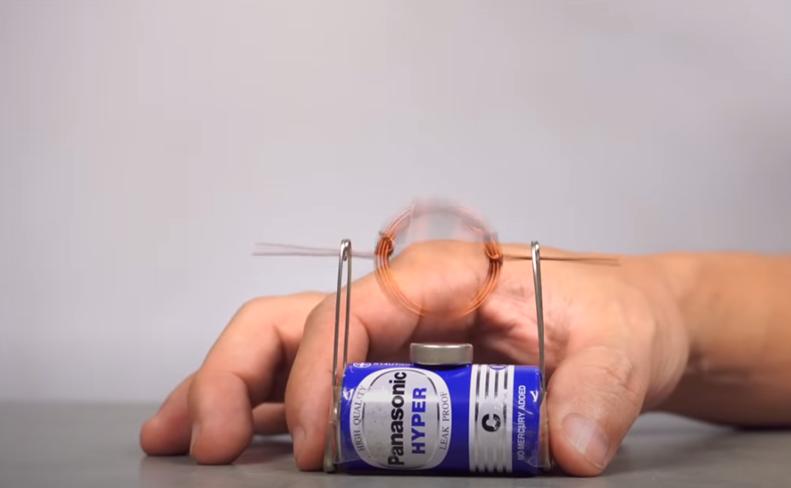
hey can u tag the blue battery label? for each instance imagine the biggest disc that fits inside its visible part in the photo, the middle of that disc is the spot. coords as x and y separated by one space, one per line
471 418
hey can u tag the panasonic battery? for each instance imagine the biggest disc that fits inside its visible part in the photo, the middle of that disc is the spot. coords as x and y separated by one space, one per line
441 414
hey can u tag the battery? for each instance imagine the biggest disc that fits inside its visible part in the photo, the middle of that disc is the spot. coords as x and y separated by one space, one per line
443 415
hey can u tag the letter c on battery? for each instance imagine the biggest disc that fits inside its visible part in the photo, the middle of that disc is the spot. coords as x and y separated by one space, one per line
491 422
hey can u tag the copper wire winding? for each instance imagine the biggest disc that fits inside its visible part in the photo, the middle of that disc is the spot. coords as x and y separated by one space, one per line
385 247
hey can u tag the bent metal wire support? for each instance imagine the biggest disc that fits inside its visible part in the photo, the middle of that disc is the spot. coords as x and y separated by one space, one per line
345 255
331 447
535 251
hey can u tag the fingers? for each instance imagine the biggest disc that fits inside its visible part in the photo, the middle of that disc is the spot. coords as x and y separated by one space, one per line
207 415
167 433
237 375
222 419
594 397
211 413
269 418
309 389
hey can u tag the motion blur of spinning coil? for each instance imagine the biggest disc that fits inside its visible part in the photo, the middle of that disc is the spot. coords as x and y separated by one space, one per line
424 222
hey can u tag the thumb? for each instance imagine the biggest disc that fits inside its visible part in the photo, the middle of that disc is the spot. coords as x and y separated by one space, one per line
594 396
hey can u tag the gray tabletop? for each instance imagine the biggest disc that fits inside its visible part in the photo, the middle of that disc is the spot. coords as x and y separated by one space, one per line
91 445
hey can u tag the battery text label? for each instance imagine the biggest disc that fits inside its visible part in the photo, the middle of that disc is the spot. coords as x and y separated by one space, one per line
418 420
401 418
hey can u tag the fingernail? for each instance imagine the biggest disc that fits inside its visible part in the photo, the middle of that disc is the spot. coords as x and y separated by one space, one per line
194 436
588 438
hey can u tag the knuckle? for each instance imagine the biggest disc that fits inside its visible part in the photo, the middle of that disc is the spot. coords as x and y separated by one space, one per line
618 370
318 315
255 306
631 317
633 307
270 311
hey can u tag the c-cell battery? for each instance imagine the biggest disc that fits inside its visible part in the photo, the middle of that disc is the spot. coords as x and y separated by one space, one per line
446 416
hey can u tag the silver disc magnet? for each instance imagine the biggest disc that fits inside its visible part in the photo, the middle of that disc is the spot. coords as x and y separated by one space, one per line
439 354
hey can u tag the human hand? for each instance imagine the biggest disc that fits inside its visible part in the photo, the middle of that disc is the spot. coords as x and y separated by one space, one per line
615 346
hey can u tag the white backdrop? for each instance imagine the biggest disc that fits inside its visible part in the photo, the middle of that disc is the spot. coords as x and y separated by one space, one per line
144 146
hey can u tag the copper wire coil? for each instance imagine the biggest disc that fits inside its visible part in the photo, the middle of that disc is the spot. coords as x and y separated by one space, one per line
385 247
